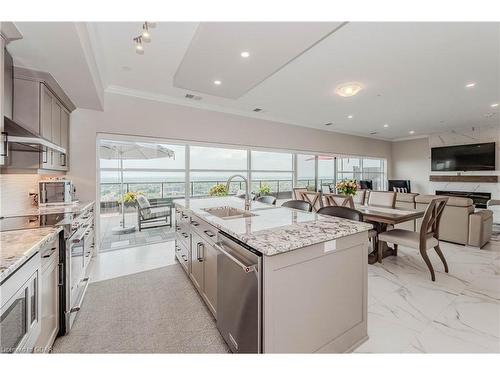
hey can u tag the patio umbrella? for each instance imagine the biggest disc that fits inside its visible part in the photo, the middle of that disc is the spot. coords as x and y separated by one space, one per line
116 150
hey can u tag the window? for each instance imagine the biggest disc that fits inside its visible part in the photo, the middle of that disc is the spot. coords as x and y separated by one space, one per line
326 172
362 169
210 166
306 171
272 169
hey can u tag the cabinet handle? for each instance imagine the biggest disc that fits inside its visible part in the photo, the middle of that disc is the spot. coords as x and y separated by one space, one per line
208 233
194 223
185 235
177 248
199 246
61 274
5 144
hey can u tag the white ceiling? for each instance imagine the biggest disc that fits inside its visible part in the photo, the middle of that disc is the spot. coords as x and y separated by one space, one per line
413 73
215 53
64 50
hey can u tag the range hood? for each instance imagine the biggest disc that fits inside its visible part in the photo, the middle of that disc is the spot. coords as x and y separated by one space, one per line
21 139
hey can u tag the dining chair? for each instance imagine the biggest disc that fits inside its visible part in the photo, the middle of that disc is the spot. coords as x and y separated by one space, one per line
267 199
337 200
297 193
382 198
351 214
298 205
314 198
423 241
359 198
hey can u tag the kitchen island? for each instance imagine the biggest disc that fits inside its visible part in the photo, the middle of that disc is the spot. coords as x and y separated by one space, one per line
277 280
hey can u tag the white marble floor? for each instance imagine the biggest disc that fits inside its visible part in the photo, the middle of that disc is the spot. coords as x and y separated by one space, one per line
458 313
407 312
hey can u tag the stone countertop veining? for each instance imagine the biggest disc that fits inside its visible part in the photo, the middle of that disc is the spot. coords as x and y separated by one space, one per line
274 230
75 208
16 247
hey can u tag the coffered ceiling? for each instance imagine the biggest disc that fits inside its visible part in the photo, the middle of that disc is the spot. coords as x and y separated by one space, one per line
413 75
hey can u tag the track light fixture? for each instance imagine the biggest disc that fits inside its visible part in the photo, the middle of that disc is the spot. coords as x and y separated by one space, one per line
144 37
138 45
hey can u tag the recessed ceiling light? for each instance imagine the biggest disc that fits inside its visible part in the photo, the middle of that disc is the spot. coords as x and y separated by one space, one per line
412 131
350 116
245 54
471 84
494 105
386 125
348 89
217 82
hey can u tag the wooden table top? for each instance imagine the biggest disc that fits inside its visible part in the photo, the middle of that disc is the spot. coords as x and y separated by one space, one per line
389 215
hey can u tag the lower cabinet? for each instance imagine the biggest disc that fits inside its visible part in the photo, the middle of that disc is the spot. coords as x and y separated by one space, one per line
50 298
197 266
204 270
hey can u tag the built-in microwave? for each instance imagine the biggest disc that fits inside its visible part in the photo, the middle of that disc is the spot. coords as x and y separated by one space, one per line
55 192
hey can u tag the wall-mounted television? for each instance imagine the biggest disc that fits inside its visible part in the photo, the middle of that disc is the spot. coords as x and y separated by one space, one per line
472 157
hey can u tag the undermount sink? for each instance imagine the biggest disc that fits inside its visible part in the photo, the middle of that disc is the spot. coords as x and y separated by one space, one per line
227 212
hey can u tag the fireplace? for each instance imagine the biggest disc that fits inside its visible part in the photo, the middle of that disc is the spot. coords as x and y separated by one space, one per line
479 199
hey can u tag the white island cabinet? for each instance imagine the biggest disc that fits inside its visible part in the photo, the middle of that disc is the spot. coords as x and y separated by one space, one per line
312 275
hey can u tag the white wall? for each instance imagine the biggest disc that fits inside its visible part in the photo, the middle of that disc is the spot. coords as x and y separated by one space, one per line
411 160
134 116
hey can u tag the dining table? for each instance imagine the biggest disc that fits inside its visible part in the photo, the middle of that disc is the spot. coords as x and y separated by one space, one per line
383 218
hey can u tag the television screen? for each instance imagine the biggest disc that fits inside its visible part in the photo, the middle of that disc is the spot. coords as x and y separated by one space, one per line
475 157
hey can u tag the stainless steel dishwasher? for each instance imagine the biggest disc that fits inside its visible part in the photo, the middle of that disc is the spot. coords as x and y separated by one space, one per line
239 295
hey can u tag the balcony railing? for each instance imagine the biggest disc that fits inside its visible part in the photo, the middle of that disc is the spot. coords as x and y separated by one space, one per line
110 192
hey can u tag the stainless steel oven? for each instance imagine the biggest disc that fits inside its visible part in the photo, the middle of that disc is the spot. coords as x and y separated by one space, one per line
55 192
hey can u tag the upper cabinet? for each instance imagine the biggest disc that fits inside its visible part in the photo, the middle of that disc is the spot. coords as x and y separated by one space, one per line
43 108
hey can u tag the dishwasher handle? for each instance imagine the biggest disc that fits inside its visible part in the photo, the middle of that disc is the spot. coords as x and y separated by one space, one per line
246 268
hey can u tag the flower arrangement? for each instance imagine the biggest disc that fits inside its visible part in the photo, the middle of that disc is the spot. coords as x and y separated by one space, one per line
130 197
218 190
347 187
265 189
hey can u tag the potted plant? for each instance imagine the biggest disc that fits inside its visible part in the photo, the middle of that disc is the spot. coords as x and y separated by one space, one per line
264 189
218 190
347 187
129 198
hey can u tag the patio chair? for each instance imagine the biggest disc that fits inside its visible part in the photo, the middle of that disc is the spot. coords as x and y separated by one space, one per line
156 213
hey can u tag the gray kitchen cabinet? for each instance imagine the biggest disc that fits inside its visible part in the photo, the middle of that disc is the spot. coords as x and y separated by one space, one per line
65 137
50 299
42 107
26 104
210 276
45 113
197 266
56 121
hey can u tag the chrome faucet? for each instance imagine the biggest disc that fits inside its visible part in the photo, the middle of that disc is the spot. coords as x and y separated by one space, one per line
247 189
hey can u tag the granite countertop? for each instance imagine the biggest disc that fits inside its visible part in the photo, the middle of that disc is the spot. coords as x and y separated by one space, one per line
274 230
16 247
75 208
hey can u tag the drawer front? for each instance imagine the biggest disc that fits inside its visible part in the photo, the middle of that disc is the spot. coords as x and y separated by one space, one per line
182 254
181 217
206 231
182 233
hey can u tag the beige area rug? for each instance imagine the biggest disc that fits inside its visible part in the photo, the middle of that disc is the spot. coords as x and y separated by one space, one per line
156 311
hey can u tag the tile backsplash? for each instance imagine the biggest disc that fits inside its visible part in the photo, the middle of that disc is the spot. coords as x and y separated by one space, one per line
14 193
